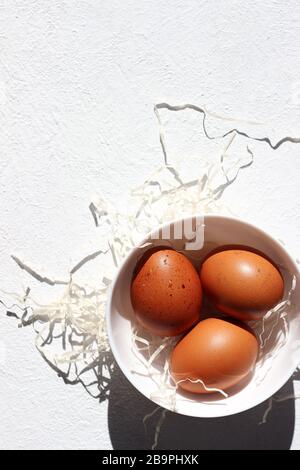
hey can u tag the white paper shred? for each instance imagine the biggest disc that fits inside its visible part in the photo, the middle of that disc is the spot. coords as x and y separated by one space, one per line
70 332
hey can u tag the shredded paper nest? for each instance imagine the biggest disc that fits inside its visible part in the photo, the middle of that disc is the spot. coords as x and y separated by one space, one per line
70 331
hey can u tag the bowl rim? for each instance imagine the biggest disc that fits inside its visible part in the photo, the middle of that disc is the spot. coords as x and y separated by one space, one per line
114 348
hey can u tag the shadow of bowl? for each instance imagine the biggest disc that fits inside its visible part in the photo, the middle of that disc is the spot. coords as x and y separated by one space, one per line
127 409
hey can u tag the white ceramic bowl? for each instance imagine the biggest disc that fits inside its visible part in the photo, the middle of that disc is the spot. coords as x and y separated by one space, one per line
218 231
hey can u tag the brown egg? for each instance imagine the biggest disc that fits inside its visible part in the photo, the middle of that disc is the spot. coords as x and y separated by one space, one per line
217 352
241 283
166 293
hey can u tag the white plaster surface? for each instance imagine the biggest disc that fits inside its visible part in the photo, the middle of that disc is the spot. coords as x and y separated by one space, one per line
78 81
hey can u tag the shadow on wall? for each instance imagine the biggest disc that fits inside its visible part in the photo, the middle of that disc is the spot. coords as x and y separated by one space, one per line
127 408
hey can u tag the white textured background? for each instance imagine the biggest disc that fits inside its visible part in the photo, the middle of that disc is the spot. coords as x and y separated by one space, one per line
78 80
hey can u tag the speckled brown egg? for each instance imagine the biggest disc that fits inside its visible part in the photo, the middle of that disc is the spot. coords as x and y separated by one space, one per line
166 293
241 283
215 354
